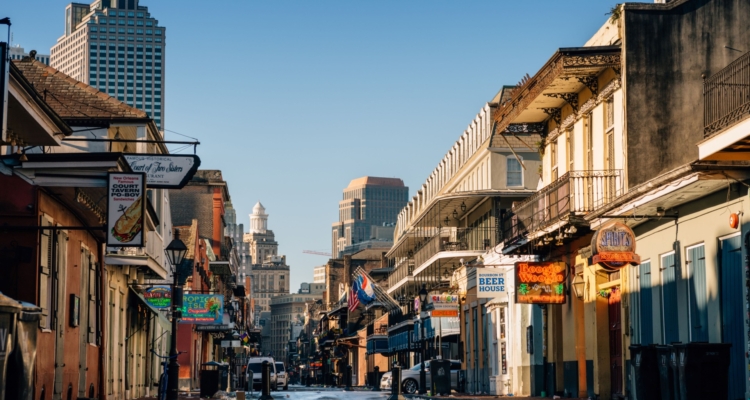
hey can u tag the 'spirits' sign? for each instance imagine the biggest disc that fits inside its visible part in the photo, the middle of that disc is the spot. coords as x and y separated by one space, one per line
614 246
158 296
490 282
540 282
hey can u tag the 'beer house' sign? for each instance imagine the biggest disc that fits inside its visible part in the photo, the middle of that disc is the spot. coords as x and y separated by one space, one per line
540 282
614 246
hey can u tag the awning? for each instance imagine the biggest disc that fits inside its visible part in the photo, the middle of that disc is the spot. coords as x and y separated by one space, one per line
160 319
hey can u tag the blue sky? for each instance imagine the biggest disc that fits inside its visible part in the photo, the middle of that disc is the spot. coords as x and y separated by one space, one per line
293 99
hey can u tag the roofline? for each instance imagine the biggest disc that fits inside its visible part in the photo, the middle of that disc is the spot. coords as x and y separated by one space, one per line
29 88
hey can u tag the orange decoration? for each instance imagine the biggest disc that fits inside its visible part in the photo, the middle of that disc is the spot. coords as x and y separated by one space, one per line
734 220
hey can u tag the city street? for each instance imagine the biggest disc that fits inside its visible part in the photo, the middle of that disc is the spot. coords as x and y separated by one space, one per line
306 393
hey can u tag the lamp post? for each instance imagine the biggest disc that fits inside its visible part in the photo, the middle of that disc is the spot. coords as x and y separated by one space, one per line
175 254
422 373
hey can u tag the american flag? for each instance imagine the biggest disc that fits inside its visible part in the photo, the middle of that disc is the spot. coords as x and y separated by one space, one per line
353 300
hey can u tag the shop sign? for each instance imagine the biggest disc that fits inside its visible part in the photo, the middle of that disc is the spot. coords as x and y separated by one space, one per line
158 297
202 309
213 328
490 283
165 171
126 205
444 301
444 313
614 246
540 282
417 304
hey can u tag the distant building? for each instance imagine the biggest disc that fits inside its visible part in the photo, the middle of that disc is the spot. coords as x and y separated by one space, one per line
287 316
319 274
18 53
368 211
270 273
236 232
117 47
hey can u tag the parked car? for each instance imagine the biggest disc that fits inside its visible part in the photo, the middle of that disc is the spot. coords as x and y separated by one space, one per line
254 372
410 377
282 378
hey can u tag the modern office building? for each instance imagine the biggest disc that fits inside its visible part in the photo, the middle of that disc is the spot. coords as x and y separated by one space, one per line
368 211
117 47
18 53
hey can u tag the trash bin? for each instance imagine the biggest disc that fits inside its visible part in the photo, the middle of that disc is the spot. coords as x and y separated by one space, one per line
9 310
704 370
440 374
645 372
210 378
666 374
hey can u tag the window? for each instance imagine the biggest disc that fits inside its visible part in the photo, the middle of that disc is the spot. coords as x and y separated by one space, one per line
45 275
588 131
514 172
553 159
669 298
571 149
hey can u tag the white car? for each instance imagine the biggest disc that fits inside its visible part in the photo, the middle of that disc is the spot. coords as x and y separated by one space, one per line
410 377
282 378
254 373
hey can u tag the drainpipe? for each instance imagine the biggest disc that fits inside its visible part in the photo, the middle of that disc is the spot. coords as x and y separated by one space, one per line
102 343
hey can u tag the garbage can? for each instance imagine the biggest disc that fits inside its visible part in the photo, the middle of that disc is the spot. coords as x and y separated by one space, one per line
666 375
209 376
440 374
704 370
645 372
9 310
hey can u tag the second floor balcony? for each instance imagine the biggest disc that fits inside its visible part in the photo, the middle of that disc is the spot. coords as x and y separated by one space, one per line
726 113
574 194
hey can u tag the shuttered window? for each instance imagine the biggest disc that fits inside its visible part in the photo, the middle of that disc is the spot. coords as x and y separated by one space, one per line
696 266
646 304
669 298
45 281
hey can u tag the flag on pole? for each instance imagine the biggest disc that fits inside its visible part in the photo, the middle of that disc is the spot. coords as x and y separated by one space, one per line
353 300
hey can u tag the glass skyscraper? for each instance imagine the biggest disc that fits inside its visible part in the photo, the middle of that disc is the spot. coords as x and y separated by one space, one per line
117 47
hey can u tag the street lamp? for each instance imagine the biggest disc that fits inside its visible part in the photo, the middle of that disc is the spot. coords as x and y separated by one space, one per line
422 373
578 285
175 254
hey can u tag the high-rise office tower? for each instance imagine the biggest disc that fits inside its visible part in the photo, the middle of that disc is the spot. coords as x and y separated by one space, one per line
117 47
368 212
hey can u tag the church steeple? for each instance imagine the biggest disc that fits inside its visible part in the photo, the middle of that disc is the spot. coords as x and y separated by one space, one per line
258 219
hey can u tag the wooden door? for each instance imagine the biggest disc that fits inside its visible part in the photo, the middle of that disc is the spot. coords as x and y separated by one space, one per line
615 342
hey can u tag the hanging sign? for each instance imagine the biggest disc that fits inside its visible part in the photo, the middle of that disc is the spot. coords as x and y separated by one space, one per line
126 206
443 305
165 171
540 282
158 297
614 246
202 309
490 283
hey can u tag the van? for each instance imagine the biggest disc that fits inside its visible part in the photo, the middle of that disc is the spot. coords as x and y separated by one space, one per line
254 374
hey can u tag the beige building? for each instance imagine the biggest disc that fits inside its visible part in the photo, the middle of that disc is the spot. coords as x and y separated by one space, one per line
270 273
319 274
288 312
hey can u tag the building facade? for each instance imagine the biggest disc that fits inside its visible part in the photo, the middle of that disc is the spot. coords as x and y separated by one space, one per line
237 233
117 47
287 316
319 274
269 271
367 212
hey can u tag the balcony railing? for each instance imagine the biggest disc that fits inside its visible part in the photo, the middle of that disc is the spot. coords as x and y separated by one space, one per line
576 192
404 268
456 239
726 96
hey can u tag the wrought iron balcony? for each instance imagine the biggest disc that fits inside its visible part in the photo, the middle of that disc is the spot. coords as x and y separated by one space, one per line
456 239
726 96
575 193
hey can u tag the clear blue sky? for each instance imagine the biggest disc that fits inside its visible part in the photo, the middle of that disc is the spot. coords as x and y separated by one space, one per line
293 99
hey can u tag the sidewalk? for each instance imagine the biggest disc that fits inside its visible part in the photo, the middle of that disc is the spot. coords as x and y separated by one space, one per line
466 396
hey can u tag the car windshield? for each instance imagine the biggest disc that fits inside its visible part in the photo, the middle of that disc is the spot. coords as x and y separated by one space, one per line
418 366
279 367
255 367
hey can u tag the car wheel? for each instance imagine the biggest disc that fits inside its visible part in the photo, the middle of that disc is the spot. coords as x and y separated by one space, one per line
410 386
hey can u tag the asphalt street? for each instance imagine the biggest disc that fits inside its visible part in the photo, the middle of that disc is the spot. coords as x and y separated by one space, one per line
305 393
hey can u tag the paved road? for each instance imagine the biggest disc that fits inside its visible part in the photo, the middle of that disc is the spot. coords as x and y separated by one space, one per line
305 393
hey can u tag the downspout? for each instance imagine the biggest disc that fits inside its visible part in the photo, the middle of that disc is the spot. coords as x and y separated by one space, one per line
102 318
